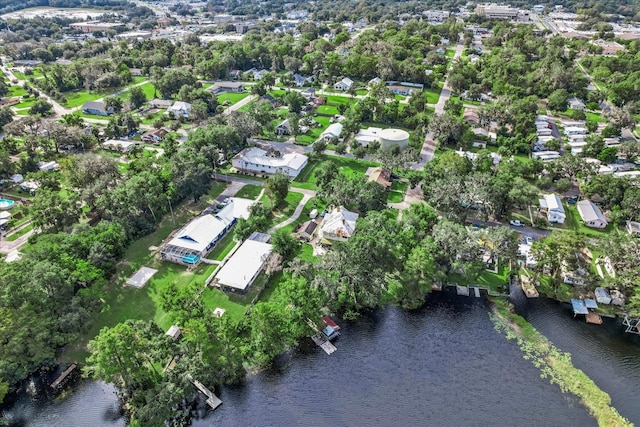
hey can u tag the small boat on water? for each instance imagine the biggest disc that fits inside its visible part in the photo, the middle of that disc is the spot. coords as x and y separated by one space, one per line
332 329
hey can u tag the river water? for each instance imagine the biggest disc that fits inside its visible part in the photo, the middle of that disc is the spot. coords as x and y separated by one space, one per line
442 365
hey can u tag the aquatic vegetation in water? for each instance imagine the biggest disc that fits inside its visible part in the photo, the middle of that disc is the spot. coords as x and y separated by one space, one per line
555 365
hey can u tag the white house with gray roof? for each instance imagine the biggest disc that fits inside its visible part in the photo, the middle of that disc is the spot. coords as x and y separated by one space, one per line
257 160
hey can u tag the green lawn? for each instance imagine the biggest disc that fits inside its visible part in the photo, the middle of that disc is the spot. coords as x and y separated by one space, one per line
148 89
286 209
349 166
362 92
314 132
232 97
433 94
76 99
249 191
495 282
399 186
313 203
395 197
450 53
124 302
595 117
15 236
25 103
335 99
223 247
15 90
154 117
331 110
574 222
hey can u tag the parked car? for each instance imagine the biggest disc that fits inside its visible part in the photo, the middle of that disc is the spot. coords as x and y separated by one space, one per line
571 201
516 223
528 240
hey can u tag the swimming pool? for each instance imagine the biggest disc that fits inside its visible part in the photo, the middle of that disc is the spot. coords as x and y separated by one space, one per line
6 204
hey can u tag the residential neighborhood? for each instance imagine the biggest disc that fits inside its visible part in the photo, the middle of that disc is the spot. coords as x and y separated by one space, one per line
224 190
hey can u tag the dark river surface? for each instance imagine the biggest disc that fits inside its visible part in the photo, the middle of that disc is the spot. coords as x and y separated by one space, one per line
442 365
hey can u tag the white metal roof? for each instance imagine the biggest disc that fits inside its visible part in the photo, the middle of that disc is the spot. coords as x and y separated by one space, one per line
197 234
258 156
241 268
590 212
340 222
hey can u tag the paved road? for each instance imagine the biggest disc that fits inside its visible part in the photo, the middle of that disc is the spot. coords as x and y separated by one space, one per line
535 233
429 145
58 109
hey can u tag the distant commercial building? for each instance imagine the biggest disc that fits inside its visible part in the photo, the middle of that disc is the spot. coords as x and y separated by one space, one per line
95 26
501 11
609 48
436 16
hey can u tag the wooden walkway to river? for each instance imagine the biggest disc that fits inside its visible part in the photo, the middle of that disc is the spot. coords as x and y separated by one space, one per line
63 376
212 400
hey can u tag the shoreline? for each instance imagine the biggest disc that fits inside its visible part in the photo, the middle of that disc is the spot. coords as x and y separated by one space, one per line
555 364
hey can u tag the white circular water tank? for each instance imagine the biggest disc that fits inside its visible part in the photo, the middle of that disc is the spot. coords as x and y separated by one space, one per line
390 137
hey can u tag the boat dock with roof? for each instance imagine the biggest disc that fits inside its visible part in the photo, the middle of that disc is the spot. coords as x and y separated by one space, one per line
322 338
589 308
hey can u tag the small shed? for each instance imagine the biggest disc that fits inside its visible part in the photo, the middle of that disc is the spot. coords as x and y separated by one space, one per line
602 296
174 332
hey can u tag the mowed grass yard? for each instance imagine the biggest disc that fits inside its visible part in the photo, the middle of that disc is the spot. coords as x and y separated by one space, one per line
124 302
314 132
433 94
350 167
232 97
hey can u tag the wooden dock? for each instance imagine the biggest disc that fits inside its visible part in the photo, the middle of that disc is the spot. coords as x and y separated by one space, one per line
212 399
476 292
593 317
323 342
632 324
63 376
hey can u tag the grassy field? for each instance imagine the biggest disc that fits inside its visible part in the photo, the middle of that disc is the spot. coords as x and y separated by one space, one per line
331 110
76 99
314 133
232 97
124 302
395 197
15 236
574 222
433 94
285 210
348 166
313 203
153 117
15 90
249 191
223 247
595 117
495 282
148 89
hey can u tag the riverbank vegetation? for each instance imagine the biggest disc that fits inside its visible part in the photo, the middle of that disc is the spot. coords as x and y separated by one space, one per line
555 365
